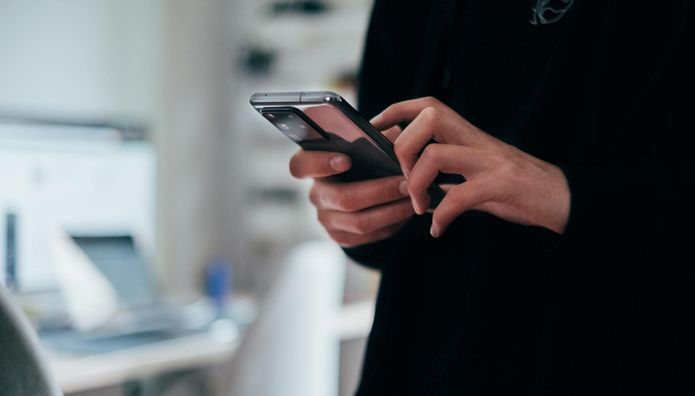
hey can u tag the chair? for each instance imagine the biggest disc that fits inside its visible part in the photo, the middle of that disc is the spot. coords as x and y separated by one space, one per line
22 371
293 347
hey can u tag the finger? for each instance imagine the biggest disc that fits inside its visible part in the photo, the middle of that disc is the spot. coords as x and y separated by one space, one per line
452 127
459 199
392 133
405 111
415 137
318 164
348 239
447 187
351 197
369 220
438 158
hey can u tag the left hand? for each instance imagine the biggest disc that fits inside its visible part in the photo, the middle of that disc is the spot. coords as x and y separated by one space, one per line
500 179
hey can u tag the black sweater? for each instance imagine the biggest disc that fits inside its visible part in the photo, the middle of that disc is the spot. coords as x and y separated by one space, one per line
496 308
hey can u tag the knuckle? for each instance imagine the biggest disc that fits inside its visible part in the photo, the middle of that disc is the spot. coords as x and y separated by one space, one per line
501 158
414 190
333 196
508 169
431 100
323 219
342 200
430 114
391 189
361 225
432 152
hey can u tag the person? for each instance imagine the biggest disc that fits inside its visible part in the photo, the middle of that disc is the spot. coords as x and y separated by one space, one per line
563 263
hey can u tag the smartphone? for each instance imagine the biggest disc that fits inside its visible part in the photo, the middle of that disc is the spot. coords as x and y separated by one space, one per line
324 121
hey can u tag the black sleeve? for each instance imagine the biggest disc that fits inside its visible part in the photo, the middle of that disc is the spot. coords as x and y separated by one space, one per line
413 237
644 209
630 242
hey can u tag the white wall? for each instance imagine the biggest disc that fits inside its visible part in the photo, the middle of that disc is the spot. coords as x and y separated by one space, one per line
160 62
198 195
80 56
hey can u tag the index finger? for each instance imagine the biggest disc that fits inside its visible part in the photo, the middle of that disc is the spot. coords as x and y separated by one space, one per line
318 164
405 111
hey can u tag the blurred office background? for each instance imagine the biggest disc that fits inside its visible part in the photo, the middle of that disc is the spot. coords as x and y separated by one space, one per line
150 227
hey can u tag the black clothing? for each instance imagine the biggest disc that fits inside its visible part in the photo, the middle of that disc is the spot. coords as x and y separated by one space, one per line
495 308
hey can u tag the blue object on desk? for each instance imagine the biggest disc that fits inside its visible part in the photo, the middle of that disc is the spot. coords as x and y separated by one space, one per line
218 282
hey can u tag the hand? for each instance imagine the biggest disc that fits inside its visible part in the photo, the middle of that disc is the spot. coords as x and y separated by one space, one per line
500 179
353 213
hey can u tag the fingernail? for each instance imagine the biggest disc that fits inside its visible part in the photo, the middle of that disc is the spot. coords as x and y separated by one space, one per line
403 188
416 207
434 231
340 163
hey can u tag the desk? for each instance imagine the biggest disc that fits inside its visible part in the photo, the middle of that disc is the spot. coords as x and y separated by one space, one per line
75 374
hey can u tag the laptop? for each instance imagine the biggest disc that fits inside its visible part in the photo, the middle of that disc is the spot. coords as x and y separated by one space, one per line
143 315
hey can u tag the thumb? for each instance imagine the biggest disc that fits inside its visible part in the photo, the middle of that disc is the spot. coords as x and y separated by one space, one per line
457 200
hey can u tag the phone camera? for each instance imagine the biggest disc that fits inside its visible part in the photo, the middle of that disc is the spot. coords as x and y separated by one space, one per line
284 126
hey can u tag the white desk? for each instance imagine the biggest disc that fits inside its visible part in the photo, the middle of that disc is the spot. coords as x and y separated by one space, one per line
75 374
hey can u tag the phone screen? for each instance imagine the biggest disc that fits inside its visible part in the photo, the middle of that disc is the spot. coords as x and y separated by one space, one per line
335 122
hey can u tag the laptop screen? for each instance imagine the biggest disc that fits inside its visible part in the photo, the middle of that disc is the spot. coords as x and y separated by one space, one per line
117 258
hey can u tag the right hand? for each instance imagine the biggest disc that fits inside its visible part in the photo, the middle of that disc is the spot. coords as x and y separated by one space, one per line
354 213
